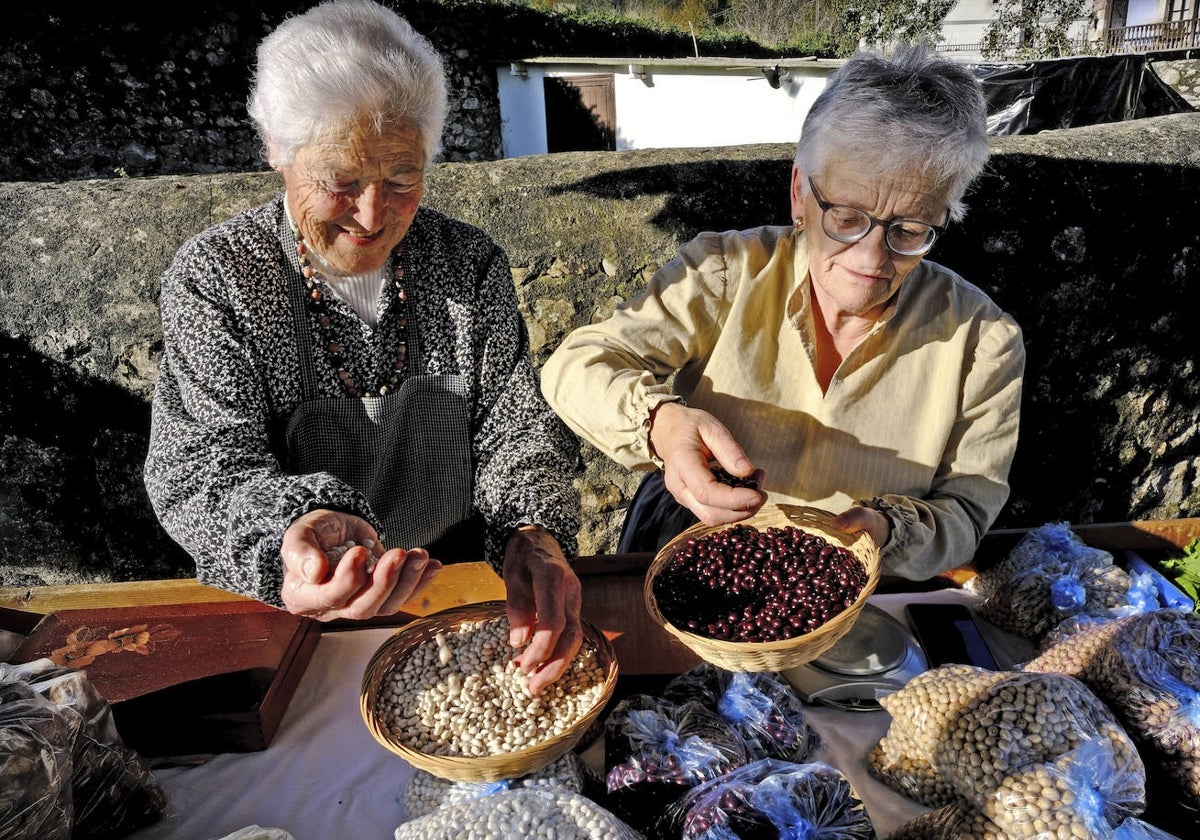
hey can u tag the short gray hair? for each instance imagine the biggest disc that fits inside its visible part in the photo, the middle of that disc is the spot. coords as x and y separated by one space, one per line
914 112
341 62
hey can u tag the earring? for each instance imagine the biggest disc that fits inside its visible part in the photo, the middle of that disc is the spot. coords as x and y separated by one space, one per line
798 223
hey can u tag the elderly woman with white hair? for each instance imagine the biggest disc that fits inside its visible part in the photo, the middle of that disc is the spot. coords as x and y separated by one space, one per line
825 363
346 396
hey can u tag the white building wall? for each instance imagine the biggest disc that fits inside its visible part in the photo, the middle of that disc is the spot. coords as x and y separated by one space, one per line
671 107
967 22
685 109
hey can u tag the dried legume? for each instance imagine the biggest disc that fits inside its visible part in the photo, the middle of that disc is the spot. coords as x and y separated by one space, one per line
460 694
743 584
538 813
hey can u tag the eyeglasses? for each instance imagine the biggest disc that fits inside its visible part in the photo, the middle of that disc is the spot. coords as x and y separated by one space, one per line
906 237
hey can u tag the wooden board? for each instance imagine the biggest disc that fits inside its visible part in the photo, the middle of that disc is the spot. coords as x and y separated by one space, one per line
612 587
183 678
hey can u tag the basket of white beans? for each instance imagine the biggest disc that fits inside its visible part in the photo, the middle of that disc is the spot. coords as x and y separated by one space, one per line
443 694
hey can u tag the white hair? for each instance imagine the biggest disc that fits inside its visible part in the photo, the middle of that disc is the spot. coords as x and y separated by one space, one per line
338 64
916 111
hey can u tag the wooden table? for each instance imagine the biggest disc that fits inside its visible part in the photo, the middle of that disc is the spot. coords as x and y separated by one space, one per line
612 589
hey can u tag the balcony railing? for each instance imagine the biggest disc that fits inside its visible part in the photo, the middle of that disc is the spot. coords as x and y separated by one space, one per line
1146 37
1153 37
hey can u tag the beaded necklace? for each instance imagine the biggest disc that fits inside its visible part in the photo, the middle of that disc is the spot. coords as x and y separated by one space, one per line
318 304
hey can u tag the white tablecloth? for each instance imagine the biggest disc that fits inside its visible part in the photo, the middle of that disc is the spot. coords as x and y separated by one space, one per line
324 777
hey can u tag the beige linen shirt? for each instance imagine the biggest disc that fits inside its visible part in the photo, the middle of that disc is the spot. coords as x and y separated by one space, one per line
921 418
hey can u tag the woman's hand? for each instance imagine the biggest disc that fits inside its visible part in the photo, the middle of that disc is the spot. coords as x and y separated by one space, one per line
544 598
688 440
859 518
362 583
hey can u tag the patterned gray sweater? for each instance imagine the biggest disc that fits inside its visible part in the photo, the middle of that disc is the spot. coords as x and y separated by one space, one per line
230 379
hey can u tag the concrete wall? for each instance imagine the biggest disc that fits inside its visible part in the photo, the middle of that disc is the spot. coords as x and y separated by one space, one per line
1088 236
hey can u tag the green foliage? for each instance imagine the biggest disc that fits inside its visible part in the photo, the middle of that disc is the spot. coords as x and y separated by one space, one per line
1031 29
880 23
1184 570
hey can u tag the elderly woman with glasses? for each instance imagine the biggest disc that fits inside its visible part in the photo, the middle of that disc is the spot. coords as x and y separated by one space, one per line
826 363
346 396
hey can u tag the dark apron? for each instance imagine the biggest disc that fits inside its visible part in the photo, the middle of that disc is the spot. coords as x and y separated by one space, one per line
654 517
408 452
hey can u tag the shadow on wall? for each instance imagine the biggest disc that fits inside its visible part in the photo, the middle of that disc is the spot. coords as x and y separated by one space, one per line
718 194
1098 263
71 478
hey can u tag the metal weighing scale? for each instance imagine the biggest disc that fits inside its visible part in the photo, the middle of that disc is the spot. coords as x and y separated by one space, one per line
877 655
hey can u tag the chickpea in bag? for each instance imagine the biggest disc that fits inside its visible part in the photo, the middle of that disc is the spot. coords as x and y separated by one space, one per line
963 733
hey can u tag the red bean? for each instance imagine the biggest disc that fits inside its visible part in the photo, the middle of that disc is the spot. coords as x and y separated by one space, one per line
745 585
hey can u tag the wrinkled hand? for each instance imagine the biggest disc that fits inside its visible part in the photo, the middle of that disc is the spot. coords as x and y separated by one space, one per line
688 440
544 598
362 584
859 518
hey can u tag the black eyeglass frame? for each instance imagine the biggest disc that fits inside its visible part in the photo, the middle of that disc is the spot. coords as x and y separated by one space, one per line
887 225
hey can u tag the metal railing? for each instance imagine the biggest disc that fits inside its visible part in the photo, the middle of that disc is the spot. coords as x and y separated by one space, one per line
1146 37
1154 37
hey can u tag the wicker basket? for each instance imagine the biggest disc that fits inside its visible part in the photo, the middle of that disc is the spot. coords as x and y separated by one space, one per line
476 768
776 655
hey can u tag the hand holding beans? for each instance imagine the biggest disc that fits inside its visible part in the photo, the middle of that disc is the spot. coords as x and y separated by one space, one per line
325 580
544 600
688 440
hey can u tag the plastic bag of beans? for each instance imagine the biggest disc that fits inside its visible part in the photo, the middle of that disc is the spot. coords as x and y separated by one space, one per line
1052 547
35 766
1036 600
528 812
960 821
762 707
769 798
1149 674
905 757
655 750
108 786
1071 648
1085 791
426 792
963 732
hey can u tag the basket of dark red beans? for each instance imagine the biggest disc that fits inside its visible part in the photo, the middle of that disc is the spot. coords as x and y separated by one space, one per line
768 593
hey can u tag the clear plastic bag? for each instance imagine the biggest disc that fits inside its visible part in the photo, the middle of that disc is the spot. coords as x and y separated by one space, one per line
768 799
1038 599
527 812
905 757
1072 646
1053 547
762 707
426 792
112 789
1149 673
960 732
655 750
959 821
35 766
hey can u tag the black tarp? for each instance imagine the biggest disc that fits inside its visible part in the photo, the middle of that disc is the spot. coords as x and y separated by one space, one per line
1025 98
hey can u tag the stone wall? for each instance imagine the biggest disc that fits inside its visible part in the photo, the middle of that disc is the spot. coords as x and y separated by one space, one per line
1087 235
103 90
107 89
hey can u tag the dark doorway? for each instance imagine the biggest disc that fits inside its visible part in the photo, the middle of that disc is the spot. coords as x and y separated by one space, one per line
581 113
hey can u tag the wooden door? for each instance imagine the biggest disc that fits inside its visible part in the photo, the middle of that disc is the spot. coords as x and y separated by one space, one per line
581 113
